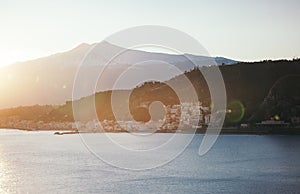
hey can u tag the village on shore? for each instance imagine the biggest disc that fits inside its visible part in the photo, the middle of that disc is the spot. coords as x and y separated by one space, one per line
178 118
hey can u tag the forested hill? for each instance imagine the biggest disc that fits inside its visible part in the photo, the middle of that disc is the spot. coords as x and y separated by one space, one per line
255 91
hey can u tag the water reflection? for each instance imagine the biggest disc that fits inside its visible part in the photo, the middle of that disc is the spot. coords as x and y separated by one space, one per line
40 162
3 172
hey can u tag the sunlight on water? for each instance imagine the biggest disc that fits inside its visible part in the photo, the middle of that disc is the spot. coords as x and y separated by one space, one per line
40 162
3 171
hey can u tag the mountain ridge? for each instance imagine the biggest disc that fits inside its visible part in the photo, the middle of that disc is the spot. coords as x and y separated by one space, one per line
50 80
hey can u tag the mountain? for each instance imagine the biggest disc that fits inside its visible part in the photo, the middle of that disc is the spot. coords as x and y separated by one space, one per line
50 80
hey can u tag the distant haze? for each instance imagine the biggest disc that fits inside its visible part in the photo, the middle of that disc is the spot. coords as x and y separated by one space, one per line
237 29
49 80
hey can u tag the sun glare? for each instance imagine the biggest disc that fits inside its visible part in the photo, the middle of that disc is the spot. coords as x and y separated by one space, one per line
2 174
10 56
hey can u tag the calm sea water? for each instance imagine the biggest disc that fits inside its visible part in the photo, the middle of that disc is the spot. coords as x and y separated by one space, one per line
40 162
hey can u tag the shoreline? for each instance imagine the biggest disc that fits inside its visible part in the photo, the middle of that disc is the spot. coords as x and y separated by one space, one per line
224 131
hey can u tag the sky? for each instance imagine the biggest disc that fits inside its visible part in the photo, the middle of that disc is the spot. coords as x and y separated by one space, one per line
238 29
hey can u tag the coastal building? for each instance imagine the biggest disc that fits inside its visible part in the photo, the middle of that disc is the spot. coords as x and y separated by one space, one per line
272 124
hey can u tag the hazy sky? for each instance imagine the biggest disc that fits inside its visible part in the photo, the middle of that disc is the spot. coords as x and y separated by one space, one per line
241 30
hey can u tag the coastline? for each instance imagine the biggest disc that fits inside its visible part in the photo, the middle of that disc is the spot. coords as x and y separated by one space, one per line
224 131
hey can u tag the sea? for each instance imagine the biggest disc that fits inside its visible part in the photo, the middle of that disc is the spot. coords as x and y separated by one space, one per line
41 162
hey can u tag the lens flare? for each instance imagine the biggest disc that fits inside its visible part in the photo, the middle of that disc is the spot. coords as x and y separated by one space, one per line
235 111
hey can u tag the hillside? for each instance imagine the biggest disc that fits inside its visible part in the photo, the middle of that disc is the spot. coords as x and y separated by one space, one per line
50 80
255 91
